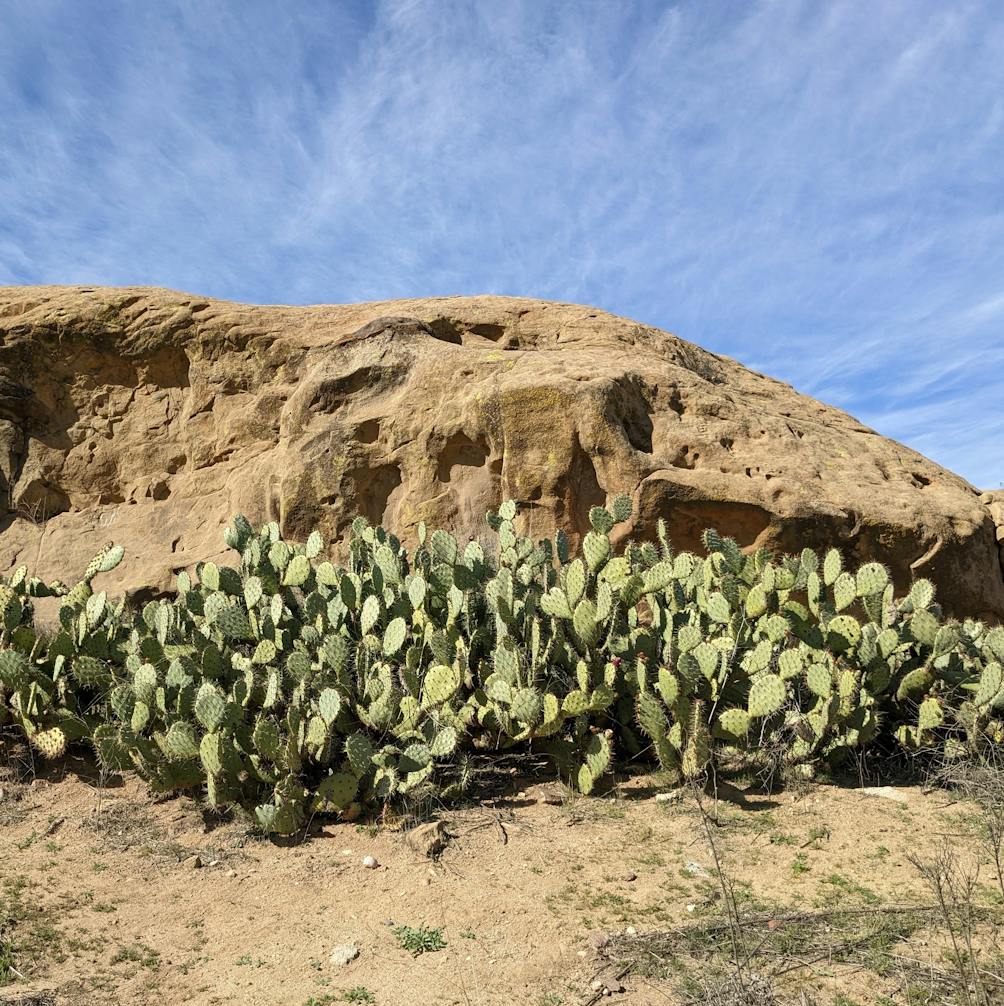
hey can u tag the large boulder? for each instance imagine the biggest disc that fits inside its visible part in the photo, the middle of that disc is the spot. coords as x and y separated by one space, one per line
149 417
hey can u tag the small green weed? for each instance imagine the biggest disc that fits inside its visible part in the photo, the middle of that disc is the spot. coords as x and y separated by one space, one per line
423 940
848 886
26 934
358 994
8 955
138 953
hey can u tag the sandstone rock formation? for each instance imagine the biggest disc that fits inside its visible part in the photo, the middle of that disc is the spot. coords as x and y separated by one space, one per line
149 417
995 505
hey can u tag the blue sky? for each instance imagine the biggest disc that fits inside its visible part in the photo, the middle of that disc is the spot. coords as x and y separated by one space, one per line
813 188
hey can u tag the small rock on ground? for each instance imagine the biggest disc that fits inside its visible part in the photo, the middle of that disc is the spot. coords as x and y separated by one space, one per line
429 839
673 796
343 954
551 793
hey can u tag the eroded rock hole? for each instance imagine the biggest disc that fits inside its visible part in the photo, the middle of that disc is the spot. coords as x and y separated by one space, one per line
463 452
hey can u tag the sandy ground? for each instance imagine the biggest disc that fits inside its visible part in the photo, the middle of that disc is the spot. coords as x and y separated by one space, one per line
106 905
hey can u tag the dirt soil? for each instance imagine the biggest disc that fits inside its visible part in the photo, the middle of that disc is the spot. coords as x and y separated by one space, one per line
110 896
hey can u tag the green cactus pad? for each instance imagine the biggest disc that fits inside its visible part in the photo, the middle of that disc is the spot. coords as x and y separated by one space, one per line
551 709
767 695
915 683
602 520
417 591
180 741
930 715
790 664
585 780
314 545
441 685
317 732
843 633
555 604
832 567
122 699
444 547
527 706
756 601
89 672
845 591
359 751
819 680
210 706
265 652
266 739
112 753
415 757
946 640
921 594
370 614
335 792
297 571
234 624
924 627
697 751
598 754
211 753
575 703
734 723
871 579
668 685
145 683
443 743
329 704
596 549
51 743
621 508
584 622
991 683
326 574
718 608
285 818
651 716
993 642
394 636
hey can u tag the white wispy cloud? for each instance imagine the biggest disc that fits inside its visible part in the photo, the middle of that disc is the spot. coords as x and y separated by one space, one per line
812 188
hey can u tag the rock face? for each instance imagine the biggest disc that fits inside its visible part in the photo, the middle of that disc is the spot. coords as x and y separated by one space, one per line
149 417
995 505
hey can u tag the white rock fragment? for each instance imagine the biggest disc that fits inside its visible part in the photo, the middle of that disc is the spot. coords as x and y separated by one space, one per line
343 954
673 796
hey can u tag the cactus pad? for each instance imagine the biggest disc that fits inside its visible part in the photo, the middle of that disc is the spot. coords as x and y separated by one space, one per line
767 695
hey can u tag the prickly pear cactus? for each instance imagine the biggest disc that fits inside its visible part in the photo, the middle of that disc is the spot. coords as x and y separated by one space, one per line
287 685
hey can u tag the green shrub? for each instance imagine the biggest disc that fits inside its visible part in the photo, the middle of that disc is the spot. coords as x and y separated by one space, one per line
289 686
